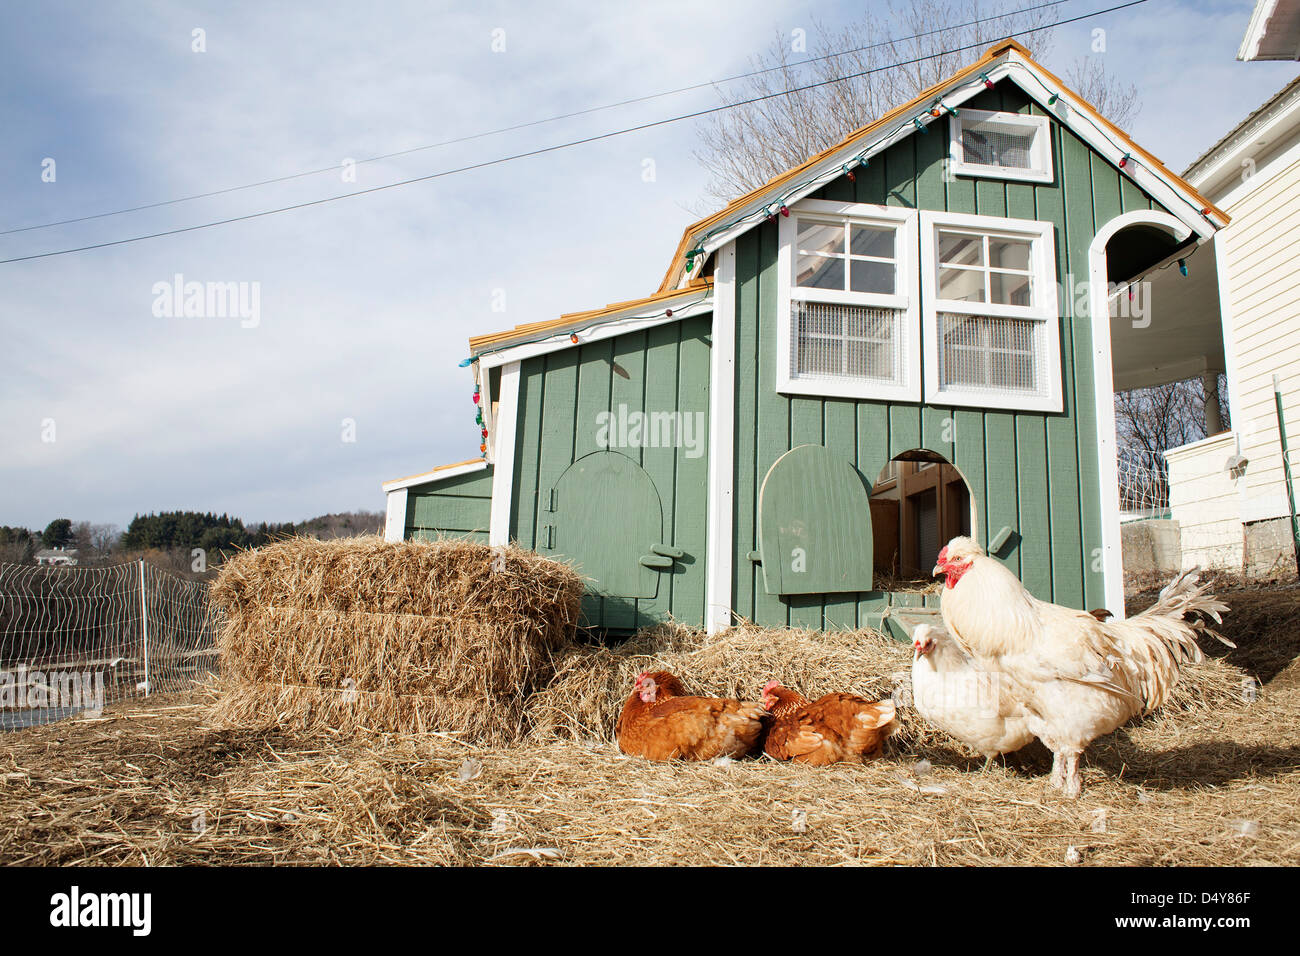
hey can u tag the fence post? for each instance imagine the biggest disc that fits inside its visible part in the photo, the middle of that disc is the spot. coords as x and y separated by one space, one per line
144 629
1286 470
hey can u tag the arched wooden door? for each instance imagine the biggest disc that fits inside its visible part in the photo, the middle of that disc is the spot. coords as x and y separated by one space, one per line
814 517
607 520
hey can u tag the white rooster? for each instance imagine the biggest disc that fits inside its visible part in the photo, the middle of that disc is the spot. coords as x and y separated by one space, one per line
1077 677
964 700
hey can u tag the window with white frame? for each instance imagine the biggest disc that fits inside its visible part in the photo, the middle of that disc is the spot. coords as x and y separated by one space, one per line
991 317
848 316
1001 145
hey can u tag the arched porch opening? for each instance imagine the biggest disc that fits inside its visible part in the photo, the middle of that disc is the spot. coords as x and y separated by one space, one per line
1153 300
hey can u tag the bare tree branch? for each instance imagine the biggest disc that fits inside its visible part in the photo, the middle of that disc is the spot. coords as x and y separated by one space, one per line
743 148
1153 420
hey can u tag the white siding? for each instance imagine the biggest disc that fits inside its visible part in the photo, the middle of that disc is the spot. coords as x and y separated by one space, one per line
1263 269
1203 499
395 522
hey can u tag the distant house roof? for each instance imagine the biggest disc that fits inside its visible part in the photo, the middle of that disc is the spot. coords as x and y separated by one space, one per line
1247 129
1273 33
52 553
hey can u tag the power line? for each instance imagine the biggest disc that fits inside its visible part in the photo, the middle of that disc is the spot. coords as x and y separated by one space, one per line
520 126
548 149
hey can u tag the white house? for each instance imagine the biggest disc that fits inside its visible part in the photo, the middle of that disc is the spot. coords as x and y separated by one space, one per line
1229 492
57 557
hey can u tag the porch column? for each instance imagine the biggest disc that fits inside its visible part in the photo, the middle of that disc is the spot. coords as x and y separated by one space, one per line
1213 410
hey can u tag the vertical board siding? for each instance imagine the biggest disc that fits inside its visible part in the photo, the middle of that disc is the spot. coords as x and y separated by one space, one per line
1036 473
562 396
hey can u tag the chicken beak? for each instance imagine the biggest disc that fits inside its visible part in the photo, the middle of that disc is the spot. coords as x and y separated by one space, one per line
938 570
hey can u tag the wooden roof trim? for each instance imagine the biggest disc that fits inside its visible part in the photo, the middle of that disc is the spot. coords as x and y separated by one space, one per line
433 472
1152 162
480 343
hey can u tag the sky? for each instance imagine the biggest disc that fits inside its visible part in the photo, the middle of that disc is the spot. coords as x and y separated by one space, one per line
344 374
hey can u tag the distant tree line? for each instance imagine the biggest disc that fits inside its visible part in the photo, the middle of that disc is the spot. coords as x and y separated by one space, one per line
169 538
215 534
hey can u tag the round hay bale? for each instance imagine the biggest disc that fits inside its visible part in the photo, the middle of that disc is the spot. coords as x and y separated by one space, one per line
358 634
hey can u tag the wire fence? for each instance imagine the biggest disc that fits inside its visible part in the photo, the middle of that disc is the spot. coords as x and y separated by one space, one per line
1143 485
74 639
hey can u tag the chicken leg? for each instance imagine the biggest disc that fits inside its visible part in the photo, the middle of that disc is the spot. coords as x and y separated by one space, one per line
1073 778
1065 773
1058 771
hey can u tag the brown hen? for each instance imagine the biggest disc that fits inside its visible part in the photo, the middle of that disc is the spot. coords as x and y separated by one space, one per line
831 729
661 722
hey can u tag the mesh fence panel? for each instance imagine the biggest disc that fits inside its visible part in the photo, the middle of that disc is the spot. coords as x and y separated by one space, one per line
74 639
847 342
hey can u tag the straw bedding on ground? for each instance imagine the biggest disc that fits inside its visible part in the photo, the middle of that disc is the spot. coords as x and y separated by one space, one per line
365 635
521 767
1213 779
157 786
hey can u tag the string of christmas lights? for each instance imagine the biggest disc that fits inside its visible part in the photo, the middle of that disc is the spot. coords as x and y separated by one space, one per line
920 121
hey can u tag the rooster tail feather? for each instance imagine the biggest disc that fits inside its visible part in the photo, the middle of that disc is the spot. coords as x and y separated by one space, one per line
1155 644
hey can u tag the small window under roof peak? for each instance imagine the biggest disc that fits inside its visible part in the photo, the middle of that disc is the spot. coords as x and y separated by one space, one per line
1001 145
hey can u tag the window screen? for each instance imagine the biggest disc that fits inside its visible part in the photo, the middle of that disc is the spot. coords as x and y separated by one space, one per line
980 353
846 342
988 144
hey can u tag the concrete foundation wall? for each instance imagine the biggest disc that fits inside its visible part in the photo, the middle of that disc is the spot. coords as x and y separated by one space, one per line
1268 546
1151 545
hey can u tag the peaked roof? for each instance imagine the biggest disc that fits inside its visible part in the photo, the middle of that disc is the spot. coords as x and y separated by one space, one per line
997 53
675 281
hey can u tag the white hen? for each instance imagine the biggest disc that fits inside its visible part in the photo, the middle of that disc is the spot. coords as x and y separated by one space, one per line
1078 678
963 699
